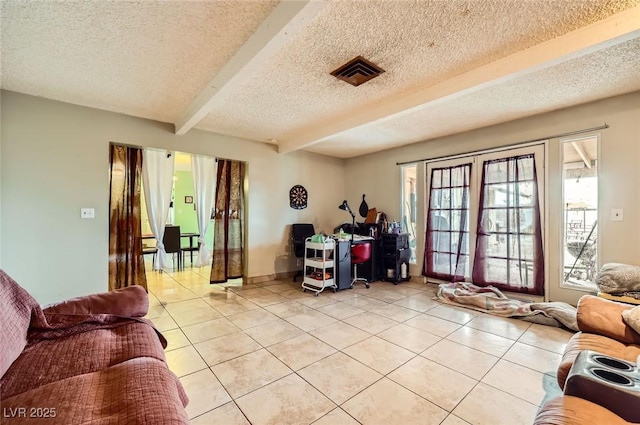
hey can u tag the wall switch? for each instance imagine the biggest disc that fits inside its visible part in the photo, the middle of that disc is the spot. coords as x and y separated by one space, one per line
616 214
87 213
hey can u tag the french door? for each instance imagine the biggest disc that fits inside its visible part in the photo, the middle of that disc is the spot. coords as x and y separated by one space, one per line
447 255
485 219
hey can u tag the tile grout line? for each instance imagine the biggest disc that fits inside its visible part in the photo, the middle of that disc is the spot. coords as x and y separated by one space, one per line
282 285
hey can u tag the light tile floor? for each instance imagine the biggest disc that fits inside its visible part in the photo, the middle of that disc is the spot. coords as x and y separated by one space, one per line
270 354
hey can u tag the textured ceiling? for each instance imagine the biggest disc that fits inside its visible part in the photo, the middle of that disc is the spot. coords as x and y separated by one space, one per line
143 58
155 59
606 73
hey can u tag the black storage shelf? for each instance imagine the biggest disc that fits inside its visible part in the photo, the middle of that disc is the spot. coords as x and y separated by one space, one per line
395 253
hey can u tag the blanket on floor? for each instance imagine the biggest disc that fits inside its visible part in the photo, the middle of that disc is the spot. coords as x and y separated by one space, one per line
491 300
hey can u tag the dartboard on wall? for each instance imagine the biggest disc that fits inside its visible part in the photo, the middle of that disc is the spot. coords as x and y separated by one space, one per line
298 197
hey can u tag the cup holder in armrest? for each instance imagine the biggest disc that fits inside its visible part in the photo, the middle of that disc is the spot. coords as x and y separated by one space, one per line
611 376
608 381
612 363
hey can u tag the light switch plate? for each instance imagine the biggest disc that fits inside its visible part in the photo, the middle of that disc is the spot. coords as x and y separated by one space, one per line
87 213
616 214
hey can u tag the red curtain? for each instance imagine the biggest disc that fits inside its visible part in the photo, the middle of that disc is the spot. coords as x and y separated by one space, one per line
447 238
126 264
228 235
509 242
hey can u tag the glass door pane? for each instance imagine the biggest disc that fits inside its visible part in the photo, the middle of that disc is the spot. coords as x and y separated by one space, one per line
509 236
580 201
448 219
409 206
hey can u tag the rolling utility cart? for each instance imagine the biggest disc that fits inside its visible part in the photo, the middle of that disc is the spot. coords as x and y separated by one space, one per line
319 271
395 257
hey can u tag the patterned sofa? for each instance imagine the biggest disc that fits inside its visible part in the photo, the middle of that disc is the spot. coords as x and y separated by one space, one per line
91 359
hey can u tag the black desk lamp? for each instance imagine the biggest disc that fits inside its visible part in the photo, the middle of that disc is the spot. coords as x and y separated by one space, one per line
345 207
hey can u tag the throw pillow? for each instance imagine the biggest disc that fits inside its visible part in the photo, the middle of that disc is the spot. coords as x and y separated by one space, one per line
632 318
616 277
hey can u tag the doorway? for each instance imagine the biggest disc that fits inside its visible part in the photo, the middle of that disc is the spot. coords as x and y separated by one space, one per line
182 210
580 205
188 282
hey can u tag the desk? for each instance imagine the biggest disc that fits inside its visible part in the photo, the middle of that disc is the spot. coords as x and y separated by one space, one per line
342 264
370 270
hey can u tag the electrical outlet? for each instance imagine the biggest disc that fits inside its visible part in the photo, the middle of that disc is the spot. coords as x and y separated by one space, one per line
617 214
87 213
299 262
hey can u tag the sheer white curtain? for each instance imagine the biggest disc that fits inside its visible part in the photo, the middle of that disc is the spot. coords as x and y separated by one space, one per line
204 181
157 175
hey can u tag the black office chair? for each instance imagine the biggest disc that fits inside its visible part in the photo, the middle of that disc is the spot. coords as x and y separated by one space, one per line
299 233
171 241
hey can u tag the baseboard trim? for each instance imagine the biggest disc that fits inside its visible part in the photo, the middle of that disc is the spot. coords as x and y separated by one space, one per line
269 277
289 275
418 279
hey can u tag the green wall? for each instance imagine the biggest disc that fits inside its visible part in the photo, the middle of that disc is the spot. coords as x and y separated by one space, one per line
185 214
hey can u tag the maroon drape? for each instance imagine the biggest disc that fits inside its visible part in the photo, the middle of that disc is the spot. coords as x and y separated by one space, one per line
228 235
509 241
447 237
126 264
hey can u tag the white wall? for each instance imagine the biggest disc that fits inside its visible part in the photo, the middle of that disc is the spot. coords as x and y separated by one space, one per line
378 176
55 160
0 180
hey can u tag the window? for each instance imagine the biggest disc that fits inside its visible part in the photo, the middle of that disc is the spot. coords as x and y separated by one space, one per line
409 206
580 203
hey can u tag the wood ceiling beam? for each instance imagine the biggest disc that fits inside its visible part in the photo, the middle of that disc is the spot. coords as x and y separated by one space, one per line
600 35
281 25
583 155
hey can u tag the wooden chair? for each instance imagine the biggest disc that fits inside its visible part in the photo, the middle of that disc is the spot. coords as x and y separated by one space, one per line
190 249
150 250
171 241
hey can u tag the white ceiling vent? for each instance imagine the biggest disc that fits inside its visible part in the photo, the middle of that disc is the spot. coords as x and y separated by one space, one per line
357 71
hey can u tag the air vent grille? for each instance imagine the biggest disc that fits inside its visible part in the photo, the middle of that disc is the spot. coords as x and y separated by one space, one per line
357 71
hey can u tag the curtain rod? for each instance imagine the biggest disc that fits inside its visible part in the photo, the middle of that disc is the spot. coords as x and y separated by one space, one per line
555 136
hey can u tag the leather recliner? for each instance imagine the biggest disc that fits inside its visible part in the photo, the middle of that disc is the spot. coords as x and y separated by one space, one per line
602 330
